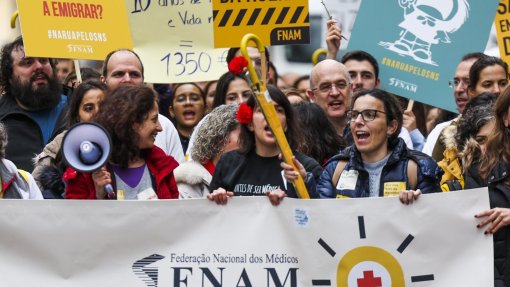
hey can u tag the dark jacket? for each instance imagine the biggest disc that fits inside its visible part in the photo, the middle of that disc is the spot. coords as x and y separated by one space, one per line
160 165
232 163
499 196
395 171
25 139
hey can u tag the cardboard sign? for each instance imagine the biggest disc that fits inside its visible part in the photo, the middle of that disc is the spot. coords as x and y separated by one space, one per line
502 23
75 29
419 44
174 40
275 22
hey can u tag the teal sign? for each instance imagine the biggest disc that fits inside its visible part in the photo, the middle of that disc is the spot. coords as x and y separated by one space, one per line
419 43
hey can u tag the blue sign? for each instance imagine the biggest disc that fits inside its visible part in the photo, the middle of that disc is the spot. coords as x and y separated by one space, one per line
419 43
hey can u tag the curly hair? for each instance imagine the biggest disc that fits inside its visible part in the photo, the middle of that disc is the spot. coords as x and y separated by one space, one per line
213 133
478 112
247 137
6 62
3 140
118 114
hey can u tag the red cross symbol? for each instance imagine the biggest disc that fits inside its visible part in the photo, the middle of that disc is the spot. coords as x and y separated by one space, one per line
369 280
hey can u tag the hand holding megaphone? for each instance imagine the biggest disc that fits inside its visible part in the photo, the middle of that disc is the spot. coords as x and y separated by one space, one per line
86 148
102 183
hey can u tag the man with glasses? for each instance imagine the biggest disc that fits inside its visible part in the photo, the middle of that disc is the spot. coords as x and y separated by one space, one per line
330 89
459 84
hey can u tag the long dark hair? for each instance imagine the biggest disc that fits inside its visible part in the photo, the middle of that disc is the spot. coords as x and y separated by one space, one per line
73 108
222 87
320 139
247 137
118 114
497 145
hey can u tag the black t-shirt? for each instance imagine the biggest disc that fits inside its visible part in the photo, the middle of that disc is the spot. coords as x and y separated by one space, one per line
260 175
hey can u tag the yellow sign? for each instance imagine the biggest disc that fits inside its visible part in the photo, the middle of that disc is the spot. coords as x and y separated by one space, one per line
75 29
393 188
502 23
174 40
275 22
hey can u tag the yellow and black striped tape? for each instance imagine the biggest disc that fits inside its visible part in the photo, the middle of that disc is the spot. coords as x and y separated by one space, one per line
260 16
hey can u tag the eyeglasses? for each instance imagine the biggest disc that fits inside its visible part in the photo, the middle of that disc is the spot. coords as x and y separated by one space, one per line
327 87
367 115
456 82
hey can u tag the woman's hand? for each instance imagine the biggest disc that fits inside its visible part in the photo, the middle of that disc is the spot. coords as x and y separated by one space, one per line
220 196
409 196
101 178
289 172
276 196
498 217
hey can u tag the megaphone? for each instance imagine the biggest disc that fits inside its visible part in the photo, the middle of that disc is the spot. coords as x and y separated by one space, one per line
86 147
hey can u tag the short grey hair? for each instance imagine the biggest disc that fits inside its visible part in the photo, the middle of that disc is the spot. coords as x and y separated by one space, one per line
213 133
3 140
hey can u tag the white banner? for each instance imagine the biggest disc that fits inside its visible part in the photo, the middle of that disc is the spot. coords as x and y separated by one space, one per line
196 243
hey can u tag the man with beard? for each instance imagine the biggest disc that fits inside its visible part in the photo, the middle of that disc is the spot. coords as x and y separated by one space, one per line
31 105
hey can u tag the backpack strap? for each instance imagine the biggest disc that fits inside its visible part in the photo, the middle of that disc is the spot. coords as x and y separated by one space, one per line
24 174
412 174
338 171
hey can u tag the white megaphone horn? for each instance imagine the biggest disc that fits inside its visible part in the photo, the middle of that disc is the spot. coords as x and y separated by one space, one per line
86 147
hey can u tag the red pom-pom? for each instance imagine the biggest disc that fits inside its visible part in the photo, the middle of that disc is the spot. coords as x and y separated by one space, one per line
244 114
237 65
70 173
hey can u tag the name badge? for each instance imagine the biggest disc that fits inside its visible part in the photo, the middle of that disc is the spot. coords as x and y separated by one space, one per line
393 188
148 194
348 180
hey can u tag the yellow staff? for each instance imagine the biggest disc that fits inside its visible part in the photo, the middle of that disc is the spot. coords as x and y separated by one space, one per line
315 56
13 19
265 103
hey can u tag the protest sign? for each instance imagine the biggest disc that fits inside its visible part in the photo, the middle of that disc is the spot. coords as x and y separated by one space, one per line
502 23
77 29
419 44
175 40
274 22
248 242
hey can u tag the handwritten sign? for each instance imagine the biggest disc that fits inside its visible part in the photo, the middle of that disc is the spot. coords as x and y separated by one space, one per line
275 22
419 44
85 29
502 23
174 40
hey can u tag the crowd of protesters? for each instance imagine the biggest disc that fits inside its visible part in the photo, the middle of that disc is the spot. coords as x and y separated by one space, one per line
211 140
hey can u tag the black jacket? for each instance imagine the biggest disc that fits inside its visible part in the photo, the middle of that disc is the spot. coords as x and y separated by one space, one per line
24 136
499 196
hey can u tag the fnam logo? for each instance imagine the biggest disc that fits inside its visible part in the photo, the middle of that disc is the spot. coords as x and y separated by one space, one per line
403 85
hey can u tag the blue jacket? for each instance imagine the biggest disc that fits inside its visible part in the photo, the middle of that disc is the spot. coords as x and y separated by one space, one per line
393 177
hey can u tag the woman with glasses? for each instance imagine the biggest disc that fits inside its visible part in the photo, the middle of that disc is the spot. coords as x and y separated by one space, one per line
492 170
378 163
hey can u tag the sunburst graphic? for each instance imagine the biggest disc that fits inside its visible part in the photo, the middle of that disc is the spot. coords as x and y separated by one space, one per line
369 266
